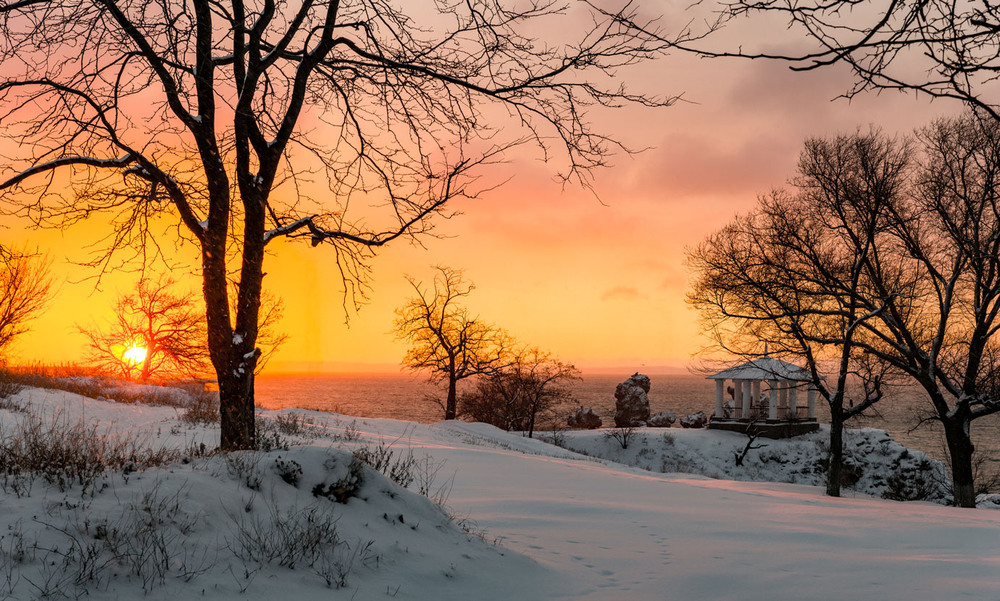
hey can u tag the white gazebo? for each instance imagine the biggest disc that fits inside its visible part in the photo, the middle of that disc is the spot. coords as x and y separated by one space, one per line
778 412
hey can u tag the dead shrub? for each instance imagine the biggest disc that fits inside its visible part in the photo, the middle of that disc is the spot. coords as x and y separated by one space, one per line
66 453
293 424
202 408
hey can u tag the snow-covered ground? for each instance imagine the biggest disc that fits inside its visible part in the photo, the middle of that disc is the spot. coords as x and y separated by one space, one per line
540 521
874 464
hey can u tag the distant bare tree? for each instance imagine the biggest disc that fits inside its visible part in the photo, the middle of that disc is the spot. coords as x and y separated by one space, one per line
25 287
515 395
445 339
352 123
159 333
156 333
752 433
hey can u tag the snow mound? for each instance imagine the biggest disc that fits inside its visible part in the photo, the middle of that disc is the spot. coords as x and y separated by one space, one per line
248 521
300 522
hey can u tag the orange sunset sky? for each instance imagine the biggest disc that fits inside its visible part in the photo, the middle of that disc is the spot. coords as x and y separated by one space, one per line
600 282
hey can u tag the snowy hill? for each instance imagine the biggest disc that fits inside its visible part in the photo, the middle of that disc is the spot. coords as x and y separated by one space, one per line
310 522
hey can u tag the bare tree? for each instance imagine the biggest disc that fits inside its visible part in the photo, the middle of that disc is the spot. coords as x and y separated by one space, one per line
445 339
351 123
797 274
515 395
953 238
938 48
156 333
752 433
25 287
928 297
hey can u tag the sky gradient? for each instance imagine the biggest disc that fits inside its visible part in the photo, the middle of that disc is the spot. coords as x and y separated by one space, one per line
599 280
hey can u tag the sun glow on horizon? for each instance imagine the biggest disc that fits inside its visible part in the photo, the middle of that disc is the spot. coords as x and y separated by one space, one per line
134 355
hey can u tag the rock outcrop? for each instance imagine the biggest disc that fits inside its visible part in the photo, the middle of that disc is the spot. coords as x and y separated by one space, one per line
663 419
584 419
631 402
695 420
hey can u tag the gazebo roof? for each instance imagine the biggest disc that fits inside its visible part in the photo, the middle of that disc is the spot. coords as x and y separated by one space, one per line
764 368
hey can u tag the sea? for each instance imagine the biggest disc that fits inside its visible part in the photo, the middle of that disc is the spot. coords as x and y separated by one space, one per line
411 397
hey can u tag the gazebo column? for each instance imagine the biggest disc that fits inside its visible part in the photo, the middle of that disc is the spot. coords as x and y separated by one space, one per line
772 404
793 401
738 395
756 391
811 396
719 390
747 397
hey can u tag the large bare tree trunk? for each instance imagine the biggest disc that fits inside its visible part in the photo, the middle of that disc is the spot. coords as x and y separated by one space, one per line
835 470
451 406
960 448
236 411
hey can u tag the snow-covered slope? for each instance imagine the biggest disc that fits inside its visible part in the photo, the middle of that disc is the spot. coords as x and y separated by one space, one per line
568 526
874 464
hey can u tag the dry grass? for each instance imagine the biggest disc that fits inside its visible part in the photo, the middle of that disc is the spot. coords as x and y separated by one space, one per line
68 453
92 384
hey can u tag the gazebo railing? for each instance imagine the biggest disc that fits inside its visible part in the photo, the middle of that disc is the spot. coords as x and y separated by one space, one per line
762 412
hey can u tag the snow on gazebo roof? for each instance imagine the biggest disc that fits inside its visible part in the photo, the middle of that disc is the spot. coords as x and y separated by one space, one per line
764 368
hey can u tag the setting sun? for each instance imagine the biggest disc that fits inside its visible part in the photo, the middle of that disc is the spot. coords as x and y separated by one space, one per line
134 355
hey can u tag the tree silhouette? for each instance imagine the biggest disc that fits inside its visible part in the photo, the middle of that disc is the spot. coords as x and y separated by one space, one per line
25 287
445 339
159 333
530 384
351 123
915 260
937 48
166 327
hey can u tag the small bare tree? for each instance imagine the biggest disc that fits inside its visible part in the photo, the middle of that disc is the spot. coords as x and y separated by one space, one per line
516 395
752 433
445 339
25 287
156 333
623 435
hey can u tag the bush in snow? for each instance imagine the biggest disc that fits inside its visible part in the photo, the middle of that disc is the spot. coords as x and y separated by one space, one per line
292 423
9 386
622 435
202 408
268 437
914 478
345 487
67 453
383 458
288 469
